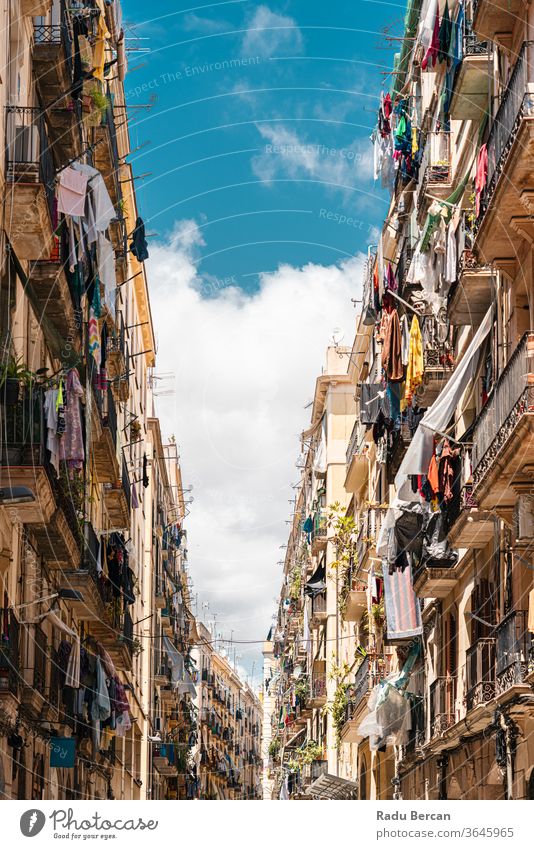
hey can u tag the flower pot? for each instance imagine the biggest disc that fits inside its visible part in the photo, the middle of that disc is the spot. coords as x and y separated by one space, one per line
9 392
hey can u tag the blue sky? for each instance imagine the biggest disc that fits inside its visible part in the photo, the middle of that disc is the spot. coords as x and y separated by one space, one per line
263 204
260 127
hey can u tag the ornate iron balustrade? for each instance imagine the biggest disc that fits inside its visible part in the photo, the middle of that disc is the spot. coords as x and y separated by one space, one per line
513 647
510 397
10 673
442 699
515 104
480 668
28 154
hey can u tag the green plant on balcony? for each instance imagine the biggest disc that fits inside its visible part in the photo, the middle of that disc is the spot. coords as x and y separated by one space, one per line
98 107
345 546
14 373
302 689
295 585
274 748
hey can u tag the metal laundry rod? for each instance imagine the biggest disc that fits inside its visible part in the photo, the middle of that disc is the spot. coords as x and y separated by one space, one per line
406 304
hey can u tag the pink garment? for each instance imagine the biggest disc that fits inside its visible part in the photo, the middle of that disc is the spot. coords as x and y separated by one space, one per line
71 444
71 192
432 53
481 176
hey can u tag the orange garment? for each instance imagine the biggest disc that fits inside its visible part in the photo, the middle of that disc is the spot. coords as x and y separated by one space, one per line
432 476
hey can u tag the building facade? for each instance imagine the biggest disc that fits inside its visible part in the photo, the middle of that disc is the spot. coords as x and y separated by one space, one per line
97 679
433 667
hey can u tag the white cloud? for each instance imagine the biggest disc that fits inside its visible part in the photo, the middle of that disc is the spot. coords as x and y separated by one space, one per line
194 23
245 367
285 154
271 34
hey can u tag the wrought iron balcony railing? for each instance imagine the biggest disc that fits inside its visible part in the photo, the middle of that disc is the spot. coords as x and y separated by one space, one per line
480 669
515 103
511 396
28 154
442 700
513 648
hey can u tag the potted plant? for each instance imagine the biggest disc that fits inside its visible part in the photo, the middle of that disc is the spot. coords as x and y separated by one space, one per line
13 374
135 431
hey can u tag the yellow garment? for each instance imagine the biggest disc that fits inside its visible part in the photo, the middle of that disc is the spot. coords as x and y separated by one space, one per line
99 52
414 371
415 146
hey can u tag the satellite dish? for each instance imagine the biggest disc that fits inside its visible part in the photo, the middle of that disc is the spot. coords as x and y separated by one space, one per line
297 671
337 336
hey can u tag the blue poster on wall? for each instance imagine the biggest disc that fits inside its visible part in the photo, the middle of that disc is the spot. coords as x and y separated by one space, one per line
62 751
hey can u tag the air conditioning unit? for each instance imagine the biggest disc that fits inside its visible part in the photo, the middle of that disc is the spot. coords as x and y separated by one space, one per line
524 518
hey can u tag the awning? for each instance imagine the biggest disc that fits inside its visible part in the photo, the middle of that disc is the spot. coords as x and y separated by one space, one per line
316 584
331 787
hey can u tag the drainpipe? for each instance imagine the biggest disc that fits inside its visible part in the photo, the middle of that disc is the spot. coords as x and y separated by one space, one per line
506 727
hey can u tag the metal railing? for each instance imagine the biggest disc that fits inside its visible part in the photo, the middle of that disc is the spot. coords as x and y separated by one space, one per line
10 674
56 34
126 483
318 685
442 701
480 671
318 605
40 660
356 441
22 433
359 689
28 154
505 124
319 524
509 396
513 649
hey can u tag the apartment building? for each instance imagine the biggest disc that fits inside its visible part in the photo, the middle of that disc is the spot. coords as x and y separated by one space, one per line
227 758
435 610
77 511
306 638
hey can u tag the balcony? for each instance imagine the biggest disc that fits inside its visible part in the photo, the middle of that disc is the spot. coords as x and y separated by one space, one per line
507 202
313 770
442 705
356 602
512 655
503 436
115 633
357 703
496 19
437 369
357 459
104 445
317 689
117 500
30 178
470 90
106 153
23 459
480 673
319 531
318 610
473 528
54 300
91 606
436 168
10 675
433 581
52 59
471 296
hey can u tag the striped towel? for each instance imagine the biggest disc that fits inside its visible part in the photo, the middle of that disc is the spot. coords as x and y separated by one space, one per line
403 613
94 338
